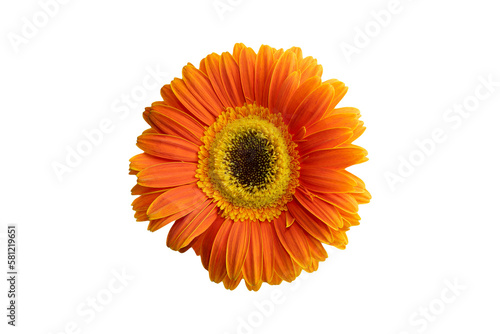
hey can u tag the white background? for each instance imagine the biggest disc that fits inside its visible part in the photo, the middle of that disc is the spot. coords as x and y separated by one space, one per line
440 225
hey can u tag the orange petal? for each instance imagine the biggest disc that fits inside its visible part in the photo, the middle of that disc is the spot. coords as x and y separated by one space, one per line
340 91
356 133
309 68
298 52
247 73
141 216
297 268
237 50
334 121
203 67
350 219
191 226
268 251
177 123
322 210
208 238
187 98
325 180
149 131
170 99
231 284
230 75
324 140
212 63
306 62
363 197
237 247
156 224
312 108
340 239
335 158
285 65
277 54
309 222
140 190
145 116
200 86
176 200
283 265
298 137
288 220
313 267
267 84
294 240
287 90
345 111
143 202
197 243
263 64
169 147
191 244
305 88
253 287
170 174
318 252
184 249
143 160
217 265
276 280
252 268
354 178
345 202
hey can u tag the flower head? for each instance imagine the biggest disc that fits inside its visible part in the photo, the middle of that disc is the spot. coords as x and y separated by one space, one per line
247 154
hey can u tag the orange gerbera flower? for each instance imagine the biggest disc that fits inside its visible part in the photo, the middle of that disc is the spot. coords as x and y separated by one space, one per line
247 154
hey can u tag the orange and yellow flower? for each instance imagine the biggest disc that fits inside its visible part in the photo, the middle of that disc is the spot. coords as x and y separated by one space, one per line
247 154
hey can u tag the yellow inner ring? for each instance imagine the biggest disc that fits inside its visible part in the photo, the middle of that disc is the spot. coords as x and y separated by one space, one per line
252 193
254 146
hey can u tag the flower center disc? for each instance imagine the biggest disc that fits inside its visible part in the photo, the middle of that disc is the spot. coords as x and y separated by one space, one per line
251 159
248 163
